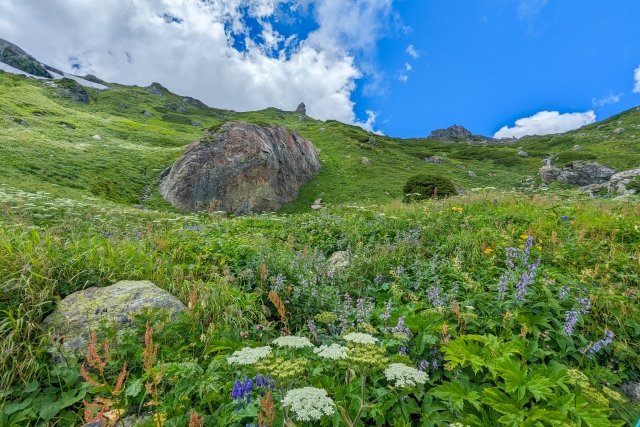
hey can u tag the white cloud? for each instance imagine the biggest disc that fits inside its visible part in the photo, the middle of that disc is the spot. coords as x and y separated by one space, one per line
546 122
403 78
369 124
528 9
607 100
412 52
636 77
407 66
132 42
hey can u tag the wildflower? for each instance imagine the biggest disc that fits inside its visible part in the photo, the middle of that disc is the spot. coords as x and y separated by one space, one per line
433 294
291 341
526 279
570 320
400 327
283 369
585 305
326 317
404 376
278 283
313 330
564 218
600 344
248 355
487 251
360 338
378 279
524 236
267 414
333 351
423 365
242 391
564 291
502 284
309 403
457 209
386 314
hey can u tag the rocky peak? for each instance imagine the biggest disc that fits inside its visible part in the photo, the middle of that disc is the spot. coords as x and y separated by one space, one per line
457 133
301 109
12 55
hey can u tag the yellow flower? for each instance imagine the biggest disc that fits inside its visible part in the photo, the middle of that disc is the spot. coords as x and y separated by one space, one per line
487 250
524 236
457 209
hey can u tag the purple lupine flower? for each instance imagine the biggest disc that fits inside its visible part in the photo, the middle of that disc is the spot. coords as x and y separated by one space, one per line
512 254
434 365
278 284
570 320
386 314
600 344
564 292
401 327
502 285
238 390
564 218
247 387
433 294
585 305
527 249
378 279
526 279
423 365
360 311
399 270
313 330
403 350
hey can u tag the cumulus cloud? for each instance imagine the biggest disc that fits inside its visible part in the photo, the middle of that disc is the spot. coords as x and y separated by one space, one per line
206 48
636 76
607 100
546 122
412 52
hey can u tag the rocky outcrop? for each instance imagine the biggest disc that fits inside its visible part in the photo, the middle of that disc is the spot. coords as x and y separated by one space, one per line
241 168
579 173
457 133
12 55
83 311
338 261
435 160
619 181
301 110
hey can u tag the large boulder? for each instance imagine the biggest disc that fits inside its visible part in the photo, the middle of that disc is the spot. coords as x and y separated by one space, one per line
83 311
241 168
579 173
619 181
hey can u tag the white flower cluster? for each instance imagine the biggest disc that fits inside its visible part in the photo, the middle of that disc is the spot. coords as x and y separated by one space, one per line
404 376
333 351
309 403
292 341
248 355
360 338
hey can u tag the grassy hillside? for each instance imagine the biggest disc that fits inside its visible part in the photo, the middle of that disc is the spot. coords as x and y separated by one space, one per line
48 144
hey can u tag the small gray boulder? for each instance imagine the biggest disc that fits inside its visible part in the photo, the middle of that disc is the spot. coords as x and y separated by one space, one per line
82 312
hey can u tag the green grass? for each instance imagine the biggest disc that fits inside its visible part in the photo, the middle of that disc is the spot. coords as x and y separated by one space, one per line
47 141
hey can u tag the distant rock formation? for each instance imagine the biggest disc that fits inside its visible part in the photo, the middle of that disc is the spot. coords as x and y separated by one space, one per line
457 133
12 55
301 109
241 168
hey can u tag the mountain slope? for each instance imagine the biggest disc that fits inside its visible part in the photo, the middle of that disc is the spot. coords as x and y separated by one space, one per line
115 146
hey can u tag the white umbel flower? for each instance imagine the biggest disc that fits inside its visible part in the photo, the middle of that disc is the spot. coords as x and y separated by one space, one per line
360 338
309 403
248 355
404 376
333 351
292 341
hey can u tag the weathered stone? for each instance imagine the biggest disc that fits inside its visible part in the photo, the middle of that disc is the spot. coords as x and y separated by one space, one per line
317 204
472 174
147 114
338 260
365 161
619 181
458 133
523 153
632 389
97 137
194 123
579 173
83 311
618 131
156 89
241 168
577 147
195 102
372 141
435 160
12 55
301 110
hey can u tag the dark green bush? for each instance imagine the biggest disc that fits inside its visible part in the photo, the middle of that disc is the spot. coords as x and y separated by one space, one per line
566 157
424 186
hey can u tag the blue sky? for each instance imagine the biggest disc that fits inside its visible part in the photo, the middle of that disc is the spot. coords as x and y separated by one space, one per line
486 63
402 67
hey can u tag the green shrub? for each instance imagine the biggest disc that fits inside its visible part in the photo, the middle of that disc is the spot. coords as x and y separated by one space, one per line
566 157
634 185
420 187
